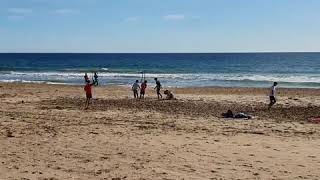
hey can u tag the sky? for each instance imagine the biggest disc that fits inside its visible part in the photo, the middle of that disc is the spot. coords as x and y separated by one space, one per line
159 26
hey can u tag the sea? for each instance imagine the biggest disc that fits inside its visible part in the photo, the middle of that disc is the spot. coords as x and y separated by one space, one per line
290 70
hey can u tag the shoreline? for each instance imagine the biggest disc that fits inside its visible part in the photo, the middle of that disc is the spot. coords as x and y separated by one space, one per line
197 90
189 87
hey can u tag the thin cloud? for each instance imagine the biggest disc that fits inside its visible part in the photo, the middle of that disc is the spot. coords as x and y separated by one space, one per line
65 12
132 19
195 17
15 17
20 11
174 17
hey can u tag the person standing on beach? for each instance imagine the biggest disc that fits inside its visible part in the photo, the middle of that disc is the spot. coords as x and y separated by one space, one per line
88 90
86 78
158 88
272 95
96 83
143 89
135 88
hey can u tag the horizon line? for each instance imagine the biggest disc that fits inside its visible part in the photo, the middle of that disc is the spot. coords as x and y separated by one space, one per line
231 52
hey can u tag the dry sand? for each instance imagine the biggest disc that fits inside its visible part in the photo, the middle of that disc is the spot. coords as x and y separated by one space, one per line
46 134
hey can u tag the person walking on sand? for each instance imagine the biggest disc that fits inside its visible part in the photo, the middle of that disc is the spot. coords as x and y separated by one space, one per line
158 88
135 88
143 89
272 95
86 78
88 90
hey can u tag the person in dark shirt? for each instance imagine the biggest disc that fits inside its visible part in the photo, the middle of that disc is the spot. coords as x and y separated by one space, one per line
158 88
86 78
143 89
96 83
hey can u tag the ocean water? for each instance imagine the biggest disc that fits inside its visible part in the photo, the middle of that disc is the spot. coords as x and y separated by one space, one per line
300 70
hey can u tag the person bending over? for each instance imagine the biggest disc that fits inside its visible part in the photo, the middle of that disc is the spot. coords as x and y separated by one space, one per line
169 95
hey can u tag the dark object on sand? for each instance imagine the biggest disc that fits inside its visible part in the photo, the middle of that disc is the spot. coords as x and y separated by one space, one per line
9 133
242 116
229 114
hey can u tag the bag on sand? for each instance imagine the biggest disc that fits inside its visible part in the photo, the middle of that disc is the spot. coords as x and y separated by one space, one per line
228 114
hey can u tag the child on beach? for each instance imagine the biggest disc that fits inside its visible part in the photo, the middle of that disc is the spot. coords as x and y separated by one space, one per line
88 90
272 95
169 95
143 89
158 88
135 88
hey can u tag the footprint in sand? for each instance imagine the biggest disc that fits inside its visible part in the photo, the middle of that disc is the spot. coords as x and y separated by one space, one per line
247 145
312 156
285 172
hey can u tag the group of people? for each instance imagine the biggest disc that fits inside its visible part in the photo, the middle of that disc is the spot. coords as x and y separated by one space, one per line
95 81
88 87
136 87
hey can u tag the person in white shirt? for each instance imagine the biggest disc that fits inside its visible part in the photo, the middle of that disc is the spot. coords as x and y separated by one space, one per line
135 88
272 95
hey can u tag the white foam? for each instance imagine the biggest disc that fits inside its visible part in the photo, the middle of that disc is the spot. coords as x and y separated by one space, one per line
62 76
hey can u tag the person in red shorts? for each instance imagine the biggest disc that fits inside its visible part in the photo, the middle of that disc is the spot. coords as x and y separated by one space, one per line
88 90
143 89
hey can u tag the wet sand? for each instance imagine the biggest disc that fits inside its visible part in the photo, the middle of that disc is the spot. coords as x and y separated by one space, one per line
45 133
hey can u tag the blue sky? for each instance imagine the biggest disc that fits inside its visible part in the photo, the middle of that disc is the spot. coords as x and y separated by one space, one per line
159 25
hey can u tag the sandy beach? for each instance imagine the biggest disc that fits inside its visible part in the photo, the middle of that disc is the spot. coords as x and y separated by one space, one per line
46 134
